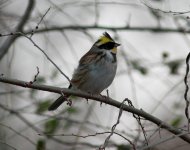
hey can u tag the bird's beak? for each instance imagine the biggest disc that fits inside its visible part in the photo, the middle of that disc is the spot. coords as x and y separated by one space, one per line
117 44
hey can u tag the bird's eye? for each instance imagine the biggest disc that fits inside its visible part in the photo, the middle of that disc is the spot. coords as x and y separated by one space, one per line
108 46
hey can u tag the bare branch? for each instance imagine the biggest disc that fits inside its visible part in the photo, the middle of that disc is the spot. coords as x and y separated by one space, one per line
163 140
113 129
119 28
6 45
36 28
35 77
186 90
54 28
18 133
89 135
3 142
29 38
100 99
139 121
28 123
164 11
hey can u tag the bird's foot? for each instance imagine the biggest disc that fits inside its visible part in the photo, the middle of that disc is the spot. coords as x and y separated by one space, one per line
104 97
69 102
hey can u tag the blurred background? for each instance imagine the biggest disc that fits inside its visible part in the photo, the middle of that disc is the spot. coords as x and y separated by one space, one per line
151 69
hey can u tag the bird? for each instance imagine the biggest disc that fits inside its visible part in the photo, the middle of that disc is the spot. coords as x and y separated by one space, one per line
96 69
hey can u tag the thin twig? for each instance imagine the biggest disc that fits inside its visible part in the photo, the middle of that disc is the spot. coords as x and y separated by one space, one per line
8 145
54 28
19 28
163 140
157 130
18 133
29 124
76 122
139 121
46 56
164 11
113 129
89 135
36 28
119 28
186 90
35 77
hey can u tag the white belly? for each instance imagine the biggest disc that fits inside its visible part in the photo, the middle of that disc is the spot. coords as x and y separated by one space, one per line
99 77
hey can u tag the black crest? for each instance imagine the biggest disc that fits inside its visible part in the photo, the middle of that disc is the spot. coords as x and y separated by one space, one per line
107 35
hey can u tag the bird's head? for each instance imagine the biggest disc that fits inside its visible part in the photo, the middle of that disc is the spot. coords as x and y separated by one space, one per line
107 43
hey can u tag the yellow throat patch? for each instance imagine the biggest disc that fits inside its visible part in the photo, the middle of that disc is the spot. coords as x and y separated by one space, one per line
114 50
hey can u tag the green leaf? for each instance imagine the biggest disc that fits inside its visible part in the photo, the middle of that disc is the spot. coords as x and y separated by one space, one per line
138 66
123 147
73 97
177 105
165 55
72 110
67 125
41 145
174 66
40 79
143 70
54 74
51 126
42 106
176 121
32 93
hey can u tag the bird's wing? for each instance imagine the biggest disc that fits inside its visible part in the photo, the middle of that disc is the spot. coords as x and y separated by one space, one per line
88 58
81 73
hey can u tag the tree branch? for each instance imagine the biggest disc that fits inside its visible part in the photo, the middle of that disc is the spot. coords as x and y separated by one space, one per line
186 90
6 45
98 27
99 98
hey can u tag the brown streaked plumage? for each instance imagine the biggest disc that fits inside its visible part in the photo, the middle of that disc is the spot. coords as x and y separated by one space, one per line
96 69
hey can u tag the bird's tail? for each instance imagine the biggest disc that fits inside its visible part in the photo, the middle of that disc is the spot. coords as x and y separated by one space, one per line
57 103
